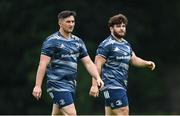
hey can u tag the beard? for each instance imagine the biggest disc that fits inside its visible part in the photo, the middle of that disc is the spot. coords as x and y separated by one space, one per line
118 35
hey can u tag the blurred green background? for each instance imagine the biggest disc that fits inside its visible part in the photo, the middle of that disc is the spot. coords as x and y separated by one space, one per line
152 31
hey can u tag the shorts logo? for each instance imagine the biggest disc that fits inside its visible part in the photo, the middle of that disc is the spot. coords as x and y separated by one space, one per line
106 94
61 102
51 94
112 105
118 102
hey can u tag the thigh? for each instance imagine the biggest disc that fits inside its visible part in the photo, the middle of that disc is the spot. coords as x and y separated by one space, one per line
56 110
66 110
108 111
121 111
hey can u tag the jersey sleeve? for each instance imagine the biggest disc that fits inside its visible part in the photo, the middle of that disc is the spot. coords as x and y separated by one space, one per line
48 48
103 50
83 50
131 50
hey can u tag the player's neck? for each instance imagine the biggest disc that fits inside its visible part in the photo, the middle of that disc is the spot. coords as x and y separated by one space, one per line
64 34
118 39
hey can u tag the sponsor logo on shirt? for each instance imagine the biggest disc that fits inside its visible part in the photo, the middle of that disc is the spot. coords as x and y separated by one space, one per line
70 55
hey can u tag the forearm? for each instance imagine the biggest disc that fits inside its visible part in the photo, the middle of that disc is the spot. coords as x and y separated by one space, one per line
98 66
92 70
138 62
40 76
94 83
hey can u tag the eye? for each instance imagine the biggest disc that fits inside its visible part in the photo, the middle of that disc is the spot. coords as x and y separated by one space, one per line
70 21
123 25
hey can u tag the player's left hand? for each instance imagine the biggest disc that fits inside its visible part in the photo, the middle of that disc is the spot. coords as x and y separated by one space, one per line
151 65
100 83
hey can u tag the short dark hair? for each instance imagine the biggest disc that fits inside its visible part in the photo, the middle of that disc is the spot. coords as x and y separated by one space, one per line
66 13
117 19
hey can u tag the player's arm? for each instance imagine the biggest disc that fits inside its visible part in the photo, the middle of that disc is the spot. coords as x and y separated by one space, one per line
99 61
44 61
139 62
91 68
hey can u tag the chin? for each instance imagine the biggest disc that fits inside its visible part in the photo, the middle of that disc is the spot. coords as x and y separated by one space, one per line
70 31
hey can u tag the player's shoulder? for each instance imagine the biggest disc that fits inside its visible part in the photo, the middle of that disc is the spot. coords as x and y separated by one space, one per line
126 42
107 41
52 37
76 37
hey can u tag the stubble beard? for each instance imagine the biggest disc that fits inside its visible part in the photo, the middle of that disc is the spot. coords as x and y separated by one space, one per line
119 36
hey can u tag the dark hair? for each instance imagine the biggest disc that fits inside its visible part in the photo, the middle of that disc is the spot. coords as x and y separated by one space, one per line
65 14
117 19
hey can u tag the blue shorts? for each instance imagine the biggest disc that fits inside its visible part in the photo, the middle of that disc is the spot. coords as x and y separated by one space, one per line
115 98
62 98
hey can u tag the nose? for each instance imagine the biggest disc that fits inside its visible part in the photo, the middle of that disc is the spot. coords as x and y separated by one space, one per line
72 23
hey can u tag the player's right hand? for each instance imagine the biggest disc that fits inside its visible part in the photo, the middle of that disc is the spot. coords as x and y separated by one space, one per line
37 92
94 91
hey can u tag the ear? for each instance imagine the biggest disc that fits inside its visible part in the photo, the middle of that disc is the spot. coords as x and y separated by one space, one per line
60 22
111 29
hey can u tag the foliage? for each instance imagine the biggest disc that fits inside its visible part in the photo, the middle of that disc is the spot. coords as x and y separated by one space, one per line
152 32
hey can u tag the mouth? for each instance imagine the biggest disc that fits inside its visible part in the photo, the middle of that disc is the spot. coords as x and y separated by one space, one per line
122 33
71 28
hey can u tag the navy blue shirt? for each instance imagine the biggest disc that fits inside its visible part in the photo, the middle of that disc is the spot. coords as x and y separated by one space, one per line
65 54
115 70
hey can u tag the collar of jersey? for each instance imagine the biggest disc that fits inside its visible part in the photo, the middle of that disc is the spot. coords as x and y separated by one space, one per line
120 41
62 37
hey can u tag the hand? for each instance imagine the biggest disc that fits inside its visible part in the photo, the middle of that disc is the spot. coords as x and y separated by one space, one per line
100 83
37 92
151 65
94 91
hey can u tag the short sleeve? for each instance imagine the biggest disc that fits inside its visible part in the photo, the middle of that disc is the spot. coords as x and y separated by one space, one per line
103 50
130 48
83 49
48 48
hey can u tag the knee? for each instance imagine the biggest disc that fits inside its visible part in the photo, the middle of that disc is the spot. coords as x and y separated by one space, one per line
121 111
71 113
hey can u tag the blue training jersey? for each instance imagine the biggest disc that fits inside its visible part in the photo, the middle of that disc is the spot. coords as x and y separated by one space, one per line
115 70
65 54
